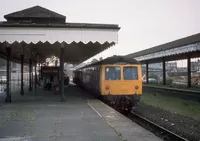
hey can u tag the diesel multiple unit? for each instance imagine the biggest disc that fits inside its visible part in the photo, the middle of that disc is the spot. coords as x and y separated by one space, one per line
117 80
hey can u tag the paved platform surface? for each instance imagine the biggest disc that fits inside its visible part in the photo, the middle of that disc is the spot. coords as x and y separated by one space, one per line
80 118
174 88
126 128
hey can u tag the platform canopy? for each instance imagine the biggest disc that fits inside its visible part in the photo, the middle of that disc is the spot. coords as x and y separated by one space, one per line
175 50
39 33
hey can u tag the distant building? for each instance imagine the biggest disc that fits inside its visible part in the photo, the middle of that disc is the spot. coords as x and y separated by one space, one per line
195 66
171 66
175 74
155 66
16 67
182 69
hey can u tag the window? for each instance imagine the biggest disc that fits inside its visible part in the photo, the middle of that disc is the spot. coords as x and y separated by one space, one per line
112 73
130 73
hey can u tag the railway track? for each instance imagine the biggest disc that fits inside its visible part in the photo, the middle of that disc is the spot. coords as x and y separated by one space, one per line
156 129
163 133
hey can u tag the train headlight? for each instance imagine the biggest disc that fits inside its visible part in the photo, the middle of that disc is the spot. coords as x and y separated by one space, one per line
107 87
136 87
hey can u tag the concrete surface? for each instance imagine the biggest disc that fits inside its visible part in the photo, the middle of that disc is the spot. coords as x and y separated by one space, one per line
80 118
126 128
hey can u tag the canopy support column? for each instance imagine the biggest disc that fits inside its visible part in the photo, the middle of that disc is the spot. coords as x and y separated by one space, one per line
147 72
32 85
35 78
30 72
22 74
164 71
189 70
40 74
8 95
62 50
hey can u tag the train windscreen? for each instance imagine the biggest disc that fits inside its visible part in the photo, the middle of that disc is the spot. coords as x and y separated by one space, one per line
112 73
130 73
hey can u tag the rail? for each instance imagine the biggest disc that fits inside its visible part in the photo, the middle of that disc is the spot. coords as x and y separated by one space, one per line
165 134
158 130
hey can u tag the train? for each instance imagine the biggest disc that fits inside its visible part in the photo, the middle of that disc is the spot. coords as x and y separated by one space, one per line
116 80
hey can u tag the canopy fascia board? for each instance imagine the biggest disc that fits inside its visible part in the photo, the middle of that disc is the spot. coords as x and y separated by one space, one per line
52 35
170 52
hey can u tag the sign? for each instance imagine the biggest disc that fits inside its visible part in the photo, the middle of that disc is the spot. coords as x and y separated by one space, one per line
49 70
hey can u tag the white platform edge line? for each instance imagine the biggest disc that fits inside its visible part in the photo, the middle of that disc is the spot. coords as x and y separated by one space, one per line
94 109
123 117
107 122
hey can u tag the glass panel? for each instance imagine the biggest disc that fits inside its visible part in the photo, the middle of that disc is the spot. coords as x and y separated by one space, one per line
112 73
130 73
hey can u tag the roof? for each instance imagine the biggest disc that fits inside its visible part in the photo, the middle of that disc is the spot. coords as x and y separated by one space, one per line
36 11
112 60
174 44
38 16
81 40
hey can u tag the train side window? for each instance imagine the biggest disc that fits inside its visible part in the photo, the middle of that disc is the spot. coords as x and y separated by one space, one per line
112 73
130 73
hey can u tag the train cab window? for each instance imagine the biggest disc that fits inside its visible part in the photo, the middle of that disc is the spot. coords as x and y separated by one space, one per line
112 73
130 73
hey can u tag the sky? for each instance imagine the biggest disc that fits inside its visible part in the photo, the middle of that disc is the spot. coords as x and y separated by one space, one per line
144 23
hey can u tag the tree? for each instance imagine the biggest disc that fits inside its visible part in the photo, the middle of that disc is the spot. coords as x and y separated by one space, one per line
52 60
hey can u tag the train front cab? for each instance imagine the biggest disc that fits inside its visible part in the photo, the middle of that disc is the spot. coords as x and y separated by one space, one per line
122 81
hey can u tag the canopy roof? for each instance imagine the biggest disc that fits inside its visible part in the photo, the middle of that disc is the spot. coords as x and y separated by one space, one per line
40 33
177 49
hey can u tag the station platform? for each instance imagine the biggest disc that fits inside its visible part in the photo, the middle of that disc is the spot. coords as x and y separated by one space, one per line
80 118
174 88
